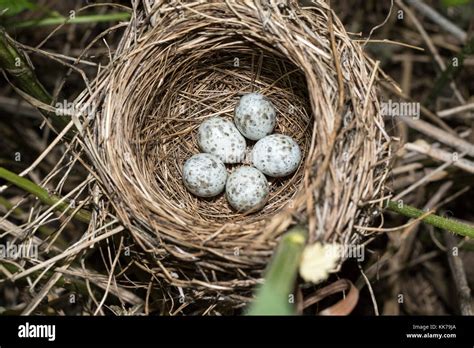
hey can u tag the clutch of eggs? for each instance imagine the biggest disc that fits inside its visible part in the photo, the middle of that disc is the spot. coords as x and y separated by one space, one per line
222 140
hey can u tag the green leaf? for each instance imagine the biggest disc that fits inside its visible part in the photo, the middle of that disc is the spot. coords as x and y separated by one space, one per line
274 296
448 3
43 195
13 7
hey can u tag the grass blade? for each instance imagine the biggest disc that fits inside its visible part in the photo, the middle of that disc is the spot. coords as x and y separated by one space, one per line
273 297
43 195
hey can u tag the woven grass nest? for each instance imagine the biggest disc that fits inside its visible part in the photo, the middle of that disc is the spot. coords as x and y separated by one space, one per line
180 63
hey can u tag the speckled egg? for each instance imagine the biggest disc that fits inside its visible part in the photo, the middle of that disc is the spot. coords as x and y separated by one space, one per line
247 189
218 136
276 155
255 116
204 175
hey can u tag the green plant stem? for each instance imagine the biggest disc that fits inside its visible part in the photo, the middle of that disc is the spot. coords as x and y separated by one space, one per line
43 195
273 297
432 219
76 20
14 62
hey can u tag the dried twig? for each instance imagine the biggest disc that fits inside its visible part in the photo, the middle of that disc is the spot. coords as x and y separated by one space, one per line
456 110
441 155
440 135
430 45
442 21
459 275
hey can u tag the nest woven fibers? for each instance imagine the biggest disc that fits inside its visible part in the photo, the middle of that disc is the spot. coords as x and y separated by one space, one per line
180 63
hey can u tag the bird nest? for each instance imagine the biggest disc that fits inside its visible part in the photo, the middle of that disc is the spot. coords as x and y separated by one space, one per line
180 63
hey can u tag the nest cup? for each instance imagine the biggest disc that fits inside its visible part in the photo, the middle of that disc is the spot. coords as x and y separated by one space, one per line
181 63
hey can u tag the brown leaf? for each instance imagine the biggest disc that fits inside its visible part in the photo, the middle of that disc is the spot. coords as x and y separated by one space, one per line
342 307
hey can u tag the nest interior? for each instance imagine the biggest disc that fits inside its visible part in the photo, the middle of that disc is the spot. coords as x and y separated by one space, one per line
183 63
163 133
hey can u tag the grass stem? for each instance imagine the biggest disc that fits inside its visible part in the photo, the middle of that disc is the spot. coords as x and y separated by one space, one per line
15 63
274 296
432 219
43 195
111 17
